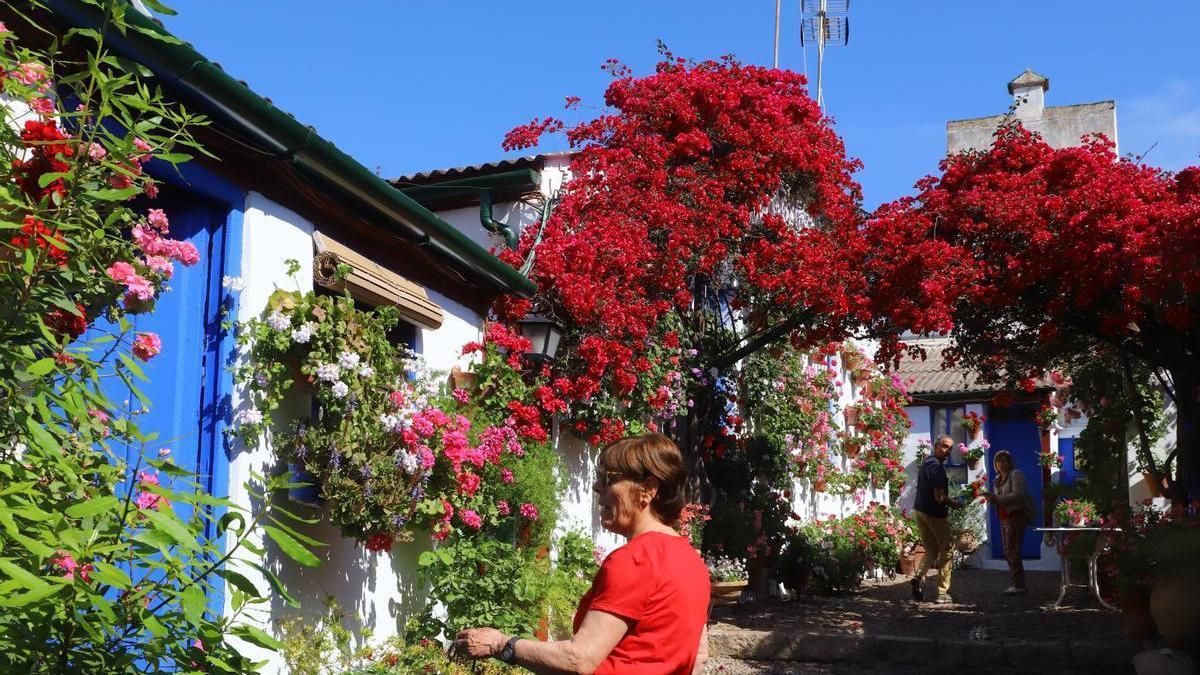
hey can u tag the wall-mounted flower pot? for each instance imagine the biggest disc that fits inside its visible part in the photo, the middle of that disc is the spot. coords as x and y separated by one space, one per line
463 380
309 495
851 447
973 464
851 415
726 593
300 381
819 485
1153 483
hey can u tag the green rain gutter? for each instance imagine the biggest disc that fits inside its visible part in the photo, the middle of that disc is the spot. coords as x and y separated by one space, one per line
196 80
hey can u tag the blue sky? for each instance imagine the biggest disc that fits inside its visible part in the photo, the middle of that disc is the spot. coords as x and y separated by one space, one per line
410 85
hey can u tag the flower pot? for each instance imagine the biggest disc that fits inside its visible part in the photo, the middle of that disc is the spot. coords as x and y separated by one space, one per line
300 381
461 380
308 495
819 485
972 464
851 416
908 564
1153 484
726 593
1175 607
1045 437
860 377
977 433
1134 604
966 542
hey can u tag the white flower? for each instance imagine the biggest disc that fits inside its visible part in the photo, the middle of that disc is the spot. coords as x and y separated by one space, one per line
236 284
390 422
304 333
340 389
163 452
348 360
409 462
278 321
261 379
328 372
18 449
366 371
248 416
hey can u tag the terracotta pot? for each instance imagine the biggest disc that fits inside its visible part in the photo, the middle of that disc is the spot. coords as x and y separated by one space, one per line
1155 486
860 377
972 464
851 447
819 485
851 415
725 593
461 380
977 433
300 381
908 564
1135 613
1175 606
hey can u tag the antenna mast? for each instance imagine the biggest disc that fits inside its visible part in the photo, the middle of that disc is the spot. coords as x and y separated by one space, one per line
825 22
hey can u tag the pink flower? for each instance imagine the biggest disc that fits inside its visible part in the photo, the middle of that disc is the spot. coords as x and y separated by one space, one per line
462 396
120 271
160 264
529 511
144 147
147 346
158 220
470 519
503 507
506 475
150 500
119 181
29 73
468 483
43 106
69 566
139 287
96 151
150 189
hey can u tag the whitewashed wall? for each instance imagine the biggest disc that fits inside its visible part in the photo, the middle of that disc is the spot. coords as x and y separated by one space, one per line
381 589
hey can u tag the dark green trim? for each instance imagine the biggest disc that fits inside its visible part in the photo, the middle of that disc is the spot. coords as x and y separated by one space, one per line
196 79
463 191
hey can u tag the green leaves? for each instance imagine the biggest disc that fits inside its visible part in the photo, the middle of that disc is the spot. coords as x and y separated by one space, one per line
291 547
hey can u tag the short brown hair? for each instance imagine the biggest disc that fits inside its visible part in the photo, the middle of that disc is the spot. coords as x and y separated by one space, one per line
1005 455
651 455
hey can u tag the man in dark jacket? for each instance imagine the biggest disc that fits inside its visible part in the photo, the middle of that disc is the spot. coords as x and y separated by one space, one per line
931 508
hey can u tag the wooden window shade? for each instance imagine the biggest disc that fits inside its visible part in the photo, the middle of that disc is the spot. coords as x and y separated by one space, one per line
372 283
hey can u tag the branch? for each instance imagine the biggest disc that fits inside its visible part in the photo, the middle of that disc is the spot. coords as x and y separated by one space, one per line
756 342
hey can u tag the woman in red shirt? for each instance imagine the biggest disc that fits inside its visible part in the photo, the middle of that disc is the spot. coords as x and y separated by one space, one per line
647 608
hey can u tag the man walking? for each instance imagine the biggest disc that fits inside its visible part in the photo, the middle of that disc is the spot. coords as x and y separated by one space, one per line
931 508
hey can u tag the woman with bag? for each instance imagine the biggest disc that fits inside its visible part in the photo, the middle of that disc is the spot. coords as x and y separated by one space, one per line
1016 510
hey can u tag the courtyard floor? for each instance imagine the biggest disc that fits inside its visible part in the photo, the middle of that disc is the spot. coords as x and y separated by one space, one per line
881 629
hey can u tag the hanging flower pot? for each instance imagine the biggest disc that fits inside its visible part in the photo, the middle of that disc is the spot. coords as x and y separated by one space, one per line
860 377
1153 483
851 415
851 447
972 464
463 380
300 381
819 485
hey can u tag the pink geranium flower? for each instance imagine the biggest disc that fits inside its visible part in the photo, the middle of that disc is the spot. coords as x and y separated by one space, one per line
150 500
69 566
529 511
147 346
470 519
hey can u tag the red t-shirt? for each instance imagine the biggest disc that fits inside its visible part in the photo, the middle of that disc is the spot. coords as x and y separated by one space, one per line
660 586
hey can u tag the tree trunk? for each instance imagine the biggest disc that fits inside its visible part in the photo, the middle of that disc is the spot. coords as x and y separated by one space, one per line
1187 430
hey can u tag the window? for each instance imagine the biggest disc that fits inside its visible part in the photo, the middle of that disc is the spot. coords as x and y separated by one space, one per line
947 420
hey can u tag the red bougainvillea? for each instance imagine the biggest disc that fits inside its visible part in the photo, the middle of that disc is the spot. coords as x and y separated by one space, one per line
703 174
1027 254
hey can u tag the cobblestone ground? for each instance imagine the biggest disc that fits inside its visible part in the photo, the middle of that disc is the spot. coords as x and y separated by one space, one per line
980 612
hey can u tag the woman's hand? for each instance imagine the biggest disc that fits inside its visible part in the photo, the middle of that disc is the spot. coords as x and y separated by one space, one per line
480 643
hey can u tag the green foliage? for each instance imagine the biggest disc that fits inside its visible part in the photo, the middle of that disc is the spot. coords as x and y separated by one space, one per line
484 582
106 556
572 575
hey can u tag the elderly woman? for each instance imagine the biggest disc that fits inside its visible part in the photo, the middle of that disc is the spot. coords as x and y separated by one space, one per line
1016 510
647 608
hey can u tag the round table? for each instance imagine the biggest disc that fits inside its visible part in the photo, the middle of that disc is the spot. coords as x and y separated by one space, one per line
1065 556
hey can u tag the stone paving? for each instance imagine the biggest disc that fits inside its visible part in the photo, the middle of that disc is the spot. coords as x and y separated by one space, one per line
881 629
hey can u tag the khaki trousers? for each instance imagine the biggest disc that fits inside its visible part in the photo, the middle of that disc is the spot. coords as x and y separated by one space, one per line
935 537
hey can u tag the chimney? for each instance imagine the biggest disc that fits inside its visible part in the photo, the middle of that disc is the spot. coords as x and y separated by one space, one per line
1029 94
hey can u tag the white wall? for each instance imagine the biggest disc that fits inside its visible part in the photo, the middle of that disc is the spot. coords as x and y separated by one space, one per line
381 589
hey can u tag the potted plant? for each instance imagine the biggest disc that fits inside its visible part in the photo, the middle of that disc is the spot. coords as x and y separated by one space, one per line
1171 549
691 523
972 423
1076 513
729 579
851 414
1046 417
972 455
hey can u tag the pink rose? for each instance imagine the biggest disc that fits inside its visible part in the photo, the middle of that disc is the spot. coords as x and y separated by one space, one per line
147 346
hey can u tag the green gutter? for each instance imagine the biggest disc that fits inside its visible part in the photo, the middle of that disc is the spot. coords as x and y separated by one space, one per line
196 79
502 186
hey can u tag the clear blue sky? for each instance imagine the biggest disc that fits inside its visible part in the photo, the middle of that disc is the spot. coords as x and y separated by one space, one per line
410 85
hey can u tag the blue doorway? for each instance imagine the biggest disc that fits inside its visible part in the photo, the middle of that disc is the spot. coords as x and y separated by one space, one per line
1013 428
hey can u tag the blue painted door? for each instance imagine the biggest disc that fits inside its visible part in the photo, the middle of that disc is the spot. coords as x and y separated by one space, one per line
1012 428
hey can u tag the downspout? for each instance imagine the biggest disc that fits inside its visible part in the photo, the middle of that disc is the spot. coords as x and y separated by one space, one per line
491 225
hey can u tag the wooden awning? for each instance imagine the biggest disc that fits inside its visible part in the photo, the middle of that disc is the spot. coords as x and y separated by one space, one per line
371 283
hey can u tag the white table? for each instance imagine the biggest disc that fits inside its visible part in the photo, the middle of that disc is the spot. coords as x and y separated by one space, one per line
1065 555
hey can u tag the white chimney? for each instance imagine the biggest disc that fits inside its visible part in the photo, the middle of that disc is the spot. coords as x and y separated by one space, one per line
1029 94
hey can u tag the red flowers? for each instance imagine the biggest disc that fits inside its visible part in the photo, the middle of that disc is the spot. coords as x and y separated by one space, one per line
380 542
35 234
45 142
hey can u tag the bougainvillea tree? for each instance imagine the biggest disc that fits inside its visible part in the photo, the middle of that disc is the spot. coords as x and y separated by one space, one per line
704 177
1029 255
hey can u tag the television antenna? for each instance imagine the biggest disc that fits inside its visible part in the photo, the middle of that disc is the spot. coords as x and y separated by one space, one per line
825 23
